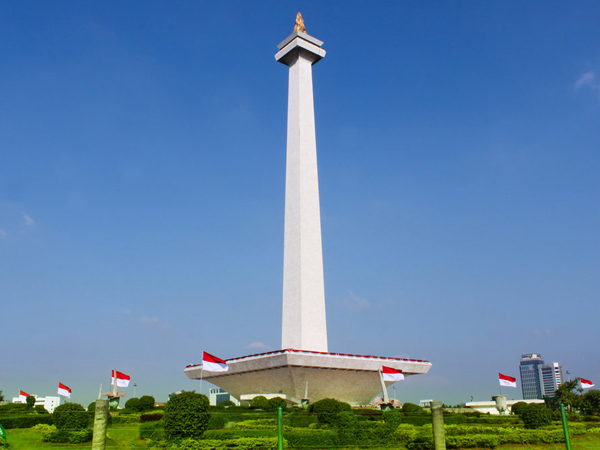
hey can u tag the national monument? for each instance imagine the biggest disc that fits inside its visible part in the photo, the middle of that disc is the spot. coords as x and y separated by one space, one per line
304 368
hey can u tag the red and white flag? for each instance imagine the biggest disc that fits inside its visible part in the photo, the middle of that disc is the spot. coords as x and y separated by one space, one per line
390 374
507 381
23 396
211 363
585 384
64 390
122 379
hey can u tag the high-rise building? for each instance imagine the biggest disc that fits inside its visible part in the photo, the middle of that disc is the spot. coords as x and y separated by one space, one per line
529 367
551 377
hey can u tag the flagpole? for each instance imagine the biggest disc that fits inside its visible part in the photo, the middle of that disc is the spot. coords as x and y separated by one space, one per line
115 382
201 380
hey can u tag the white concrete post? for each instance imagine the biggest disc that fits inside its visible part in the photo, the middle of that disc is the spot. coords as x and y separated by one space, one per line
304 325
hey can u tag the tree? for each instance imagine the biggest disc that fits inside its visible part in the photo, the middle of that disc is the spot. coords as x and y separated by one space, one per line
70 417
1 396
186 415
568 393
327 408
536 416
92 407
259 402
590 402
146 403
30 400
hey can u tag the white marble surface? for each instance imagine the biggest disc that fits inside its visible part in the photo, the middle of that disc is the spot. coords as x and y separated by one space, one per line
304 324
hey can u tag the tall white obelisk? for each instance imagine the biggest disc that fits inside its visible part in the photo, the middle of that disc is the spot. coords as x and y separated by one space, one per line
304 325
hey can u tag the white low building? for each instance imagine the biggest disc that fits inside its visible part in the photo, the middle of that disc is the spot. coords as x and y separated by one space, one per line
49 403
490 406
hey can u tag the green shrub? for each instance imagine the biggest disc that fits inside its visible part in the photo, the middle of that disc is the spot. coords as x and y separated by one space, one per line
26 421
226 403
122 418
259 402
417 419
306 437
66 436
40 409
186 415
152 417
81 436
519 408
14 408
302 420
30 402
133 404
274 403
411 408
536 416
236 444
454 419
346 425
327 408
216 422
146 403
45 429
404 432
70 416
392 419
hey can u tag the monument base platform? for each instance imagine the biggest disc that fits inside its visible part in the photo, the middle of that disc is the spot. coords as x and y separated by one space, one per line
349 378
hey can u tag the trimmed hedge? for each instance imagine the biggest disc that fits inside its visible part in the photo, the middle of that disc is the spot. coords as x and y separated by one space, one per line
460 437
119 418
216 422
312 438
299 420
151 417
26 421
237 444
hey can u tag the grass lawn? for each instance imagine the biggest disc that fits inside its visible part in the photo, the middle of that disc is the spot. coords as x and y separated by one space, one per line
582 442
120 437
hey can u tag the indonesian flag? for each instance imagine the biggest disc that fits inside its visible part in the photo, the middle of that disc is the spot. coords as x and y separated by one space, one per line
122 379
586 383
507 381
23 396
390 374
64 390
211 363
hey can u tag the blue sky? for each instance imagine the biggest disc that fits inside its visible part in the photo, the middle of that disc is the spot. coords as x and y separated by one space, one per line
142 181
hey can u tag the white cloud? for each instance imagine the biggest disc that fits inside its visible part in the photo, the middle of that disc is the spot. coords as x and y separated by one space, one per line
258 346
588 80
355 303
542 333
28 220
154 322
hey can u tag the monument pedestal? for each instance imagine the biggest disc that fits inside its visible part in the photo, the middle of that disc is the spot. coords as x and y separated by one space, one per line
351 378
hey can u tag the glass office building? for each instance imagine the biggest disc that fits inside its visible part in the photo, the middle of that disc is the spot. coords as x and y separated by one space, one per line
551 376
529 368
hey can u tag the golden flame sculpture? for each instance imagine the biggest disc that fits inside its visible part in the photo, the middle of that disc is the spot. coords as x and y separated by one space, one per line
299 23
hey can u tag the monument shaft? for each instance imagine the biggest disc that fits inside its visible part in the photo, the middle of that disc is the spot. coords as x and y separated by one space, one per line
304 325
